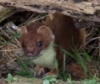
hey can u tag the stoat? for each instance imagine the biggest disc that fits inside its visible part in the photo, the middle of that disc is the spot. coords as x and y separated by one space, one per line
38 40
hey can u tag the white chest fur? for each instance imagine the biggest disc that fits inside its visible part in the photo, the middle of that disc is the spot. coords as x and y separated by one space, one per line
47 58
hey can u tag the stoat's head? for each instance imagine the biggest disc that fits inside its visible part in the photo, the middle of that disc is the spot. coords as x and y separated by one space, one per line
35 38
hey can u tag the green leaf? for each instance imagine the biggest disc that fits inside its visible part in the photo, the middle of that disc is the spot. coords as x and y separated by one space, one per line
27 72
64 62
8 80
21 73
15 79
53 80
66 52
9 76
87 56
46 81
56 65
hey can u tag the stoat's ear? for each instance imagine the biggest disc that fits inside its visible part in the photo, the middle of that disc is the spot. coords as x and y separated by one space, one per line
45 30
23 30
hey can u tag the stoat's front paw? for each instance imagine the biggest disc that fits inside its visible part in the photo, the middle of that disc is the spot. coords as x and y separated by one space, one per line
39 71
52 72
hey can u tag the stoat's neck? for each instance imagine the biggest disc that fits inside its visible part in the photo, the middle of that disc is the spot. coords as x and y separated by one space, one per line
47 58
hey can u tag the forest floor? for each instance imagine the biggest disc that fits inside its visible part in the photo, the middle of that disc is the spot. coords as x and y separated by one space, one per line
10 49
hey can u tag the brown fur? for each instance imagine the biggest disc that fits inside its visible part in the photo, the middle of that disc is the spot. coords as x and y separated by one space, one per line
30 42
66 36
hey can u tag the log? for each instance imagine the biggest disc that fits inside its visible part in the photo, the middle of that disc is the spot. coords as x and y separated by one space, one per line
88 10
6 12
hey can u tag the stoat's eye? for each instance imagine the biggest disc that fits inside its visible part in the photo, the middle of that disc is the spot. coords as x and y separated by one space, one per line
39 44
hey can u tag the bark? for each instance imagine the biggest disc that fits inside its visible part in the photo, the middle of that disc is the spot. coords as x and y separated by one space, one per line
88 10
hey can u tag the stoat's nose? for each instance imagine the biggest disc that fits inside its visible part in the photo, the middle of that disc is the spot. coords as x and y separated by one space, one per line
29 54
